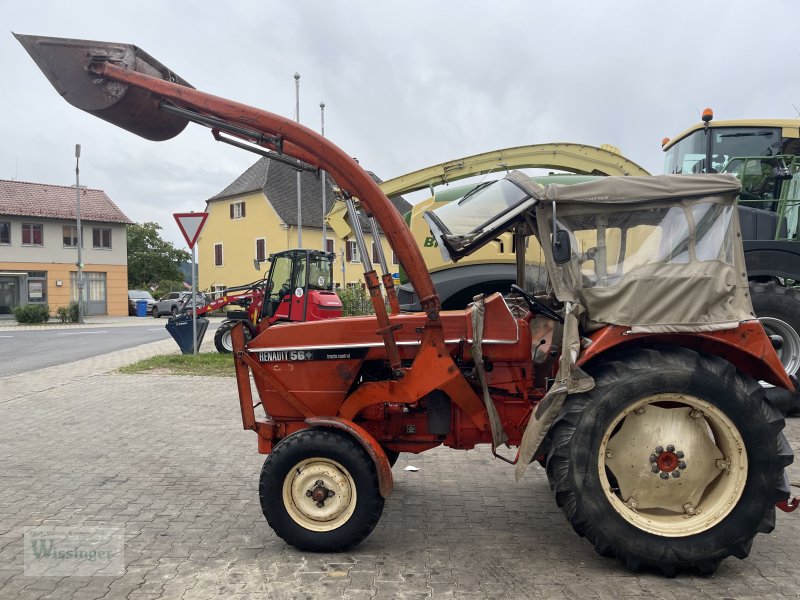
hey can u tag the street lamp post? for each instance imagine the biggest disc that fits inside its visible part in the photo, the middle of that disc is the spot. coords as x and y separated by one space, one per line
324 225
299 196
80 236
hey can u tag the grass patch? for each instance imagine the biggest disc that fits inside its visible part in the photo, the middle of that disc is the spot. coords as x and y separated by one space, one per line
211 364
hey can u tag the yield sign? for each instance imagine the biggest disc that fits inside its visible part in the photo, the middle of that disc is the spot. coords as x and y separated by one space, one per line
190 225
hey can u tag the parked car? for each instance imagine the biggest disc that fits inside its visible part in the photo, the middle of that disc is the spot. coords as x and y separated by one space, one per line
134 295
173 302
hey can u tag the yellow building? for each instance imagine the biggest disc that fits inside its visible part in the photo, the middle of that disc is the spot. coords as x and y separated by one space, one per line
256 216
39 248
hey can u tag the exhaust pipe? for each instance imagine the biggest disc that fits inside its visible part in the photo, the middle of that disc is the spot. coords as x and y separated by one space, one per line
67 64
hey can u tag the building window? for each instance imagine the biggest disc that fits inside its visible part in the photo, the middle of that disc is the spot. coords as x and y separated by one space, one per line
5 232
217 291
101 238
217 255
37 287
375 258
352 252
237 210
261 249
329 245
31 234
394 258
70 236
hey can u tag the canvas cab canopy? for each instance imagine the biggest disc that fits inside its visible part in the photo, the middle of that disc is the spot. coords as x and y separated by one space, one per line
660 253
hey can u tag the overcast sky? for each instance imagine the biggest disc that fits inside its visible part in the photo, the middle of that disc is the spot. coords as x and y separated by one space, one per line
406 84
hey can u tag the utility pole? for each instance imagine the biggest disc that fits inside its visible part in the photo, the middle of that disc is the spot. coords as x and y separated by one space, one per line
299 195
324 211
80 236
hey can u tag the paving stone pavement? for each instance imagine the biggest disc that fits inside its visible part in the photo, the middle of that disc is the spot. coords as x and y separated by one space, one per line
166 458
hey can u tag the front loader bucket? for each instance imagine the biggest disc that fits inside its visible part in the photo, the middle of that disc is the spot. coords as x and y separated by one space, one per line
67 64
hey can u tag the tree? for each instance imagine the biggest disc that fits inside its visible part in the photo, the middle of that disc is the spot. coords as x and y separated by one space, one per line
151 259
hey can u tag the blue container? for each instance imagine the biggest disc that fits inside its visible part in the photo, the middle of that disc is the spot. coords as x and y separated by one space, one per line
141 308
180 328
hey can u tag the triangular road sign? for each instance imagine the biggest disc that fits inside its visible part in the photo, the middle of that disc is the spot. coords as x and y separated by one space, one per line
190 225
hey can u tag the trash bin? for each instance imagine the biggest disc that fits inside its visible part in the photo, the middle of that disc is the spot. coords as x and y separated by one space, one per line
141 308
180 328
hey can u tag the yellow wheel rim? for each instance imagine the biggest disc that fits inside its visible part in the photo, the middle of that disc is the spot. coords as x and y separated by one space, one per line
673 465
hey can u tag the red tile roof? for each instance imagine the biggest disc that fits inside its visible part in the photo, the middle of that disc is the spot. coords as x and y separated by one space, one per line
25 199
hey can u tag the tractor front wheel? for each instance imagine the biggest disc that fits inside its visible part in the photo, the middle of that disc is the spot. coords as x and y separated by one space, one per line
222 337
674 460
319 491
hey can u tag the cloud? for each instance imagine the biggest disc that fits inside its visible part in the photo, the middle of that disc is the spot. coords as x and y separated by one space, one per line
405 84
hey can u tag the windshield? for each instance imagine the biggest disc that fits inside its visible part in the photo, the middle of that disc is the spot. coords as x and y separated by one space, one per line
467 224
143 295
320 273
689 155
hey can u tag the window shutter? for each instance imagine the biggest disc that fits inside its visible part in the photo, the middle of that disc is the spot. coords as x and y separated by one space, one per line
375 258
349 251
329 245
261 250
217 255
231 207
243 205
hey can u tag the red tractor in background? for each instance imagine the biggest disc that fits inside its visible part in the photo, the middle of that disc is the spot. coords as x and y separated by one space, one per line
633 380
305 293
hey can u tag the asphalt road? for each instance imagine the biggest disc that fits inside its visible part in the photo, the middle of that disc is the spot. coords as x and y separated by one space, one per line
23 351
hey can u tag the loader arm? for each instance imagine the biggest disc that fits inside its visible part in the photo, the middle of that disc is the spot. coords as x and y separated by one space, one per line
88 74
574 158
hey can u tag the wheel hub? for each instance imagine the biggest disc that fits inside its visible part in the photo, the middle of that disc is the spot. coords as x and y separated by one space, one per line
319 493
667 461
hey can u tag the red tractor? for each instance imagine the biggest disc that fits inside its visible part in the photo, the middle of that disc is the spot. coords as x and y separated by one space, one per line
305 293
633 382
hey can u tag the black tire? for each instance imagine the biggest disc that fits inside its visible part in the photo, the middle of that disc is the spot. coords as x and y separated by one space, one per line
392 455
578 436
288 459
774 301
155 312
222 336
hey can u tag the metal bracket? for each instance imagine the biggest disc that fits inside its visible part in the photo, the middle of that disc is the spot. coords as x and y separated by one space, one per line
787 506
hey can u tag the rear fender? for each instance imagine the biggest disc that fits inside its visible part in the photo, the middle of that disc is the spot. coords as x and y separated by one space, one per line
747 347
369 443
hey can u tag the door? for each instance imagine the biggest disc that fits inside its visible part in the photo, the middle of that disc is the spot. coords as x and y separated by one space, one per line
94 285
9 294
96 293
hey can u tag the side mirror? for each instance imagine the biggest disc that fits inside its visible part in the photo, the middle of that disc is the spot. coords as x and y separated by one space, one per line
562 250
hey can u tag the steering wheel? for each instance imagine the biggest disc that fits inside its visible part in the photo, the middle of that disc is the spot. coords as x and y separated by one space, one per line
536 305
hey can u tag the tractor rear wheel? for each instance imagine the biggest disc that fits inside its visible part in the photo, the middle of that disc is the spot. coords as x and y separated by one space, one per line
674 460
222 337
778 309
319 491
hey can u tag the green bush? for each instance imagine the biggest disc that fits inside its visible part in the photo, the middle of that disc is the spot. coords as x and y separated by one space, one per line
68 314
355 301
31 313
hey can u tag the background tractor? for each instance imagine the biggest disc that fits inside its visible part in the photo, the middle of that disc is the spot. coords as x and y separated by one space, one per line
304 292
